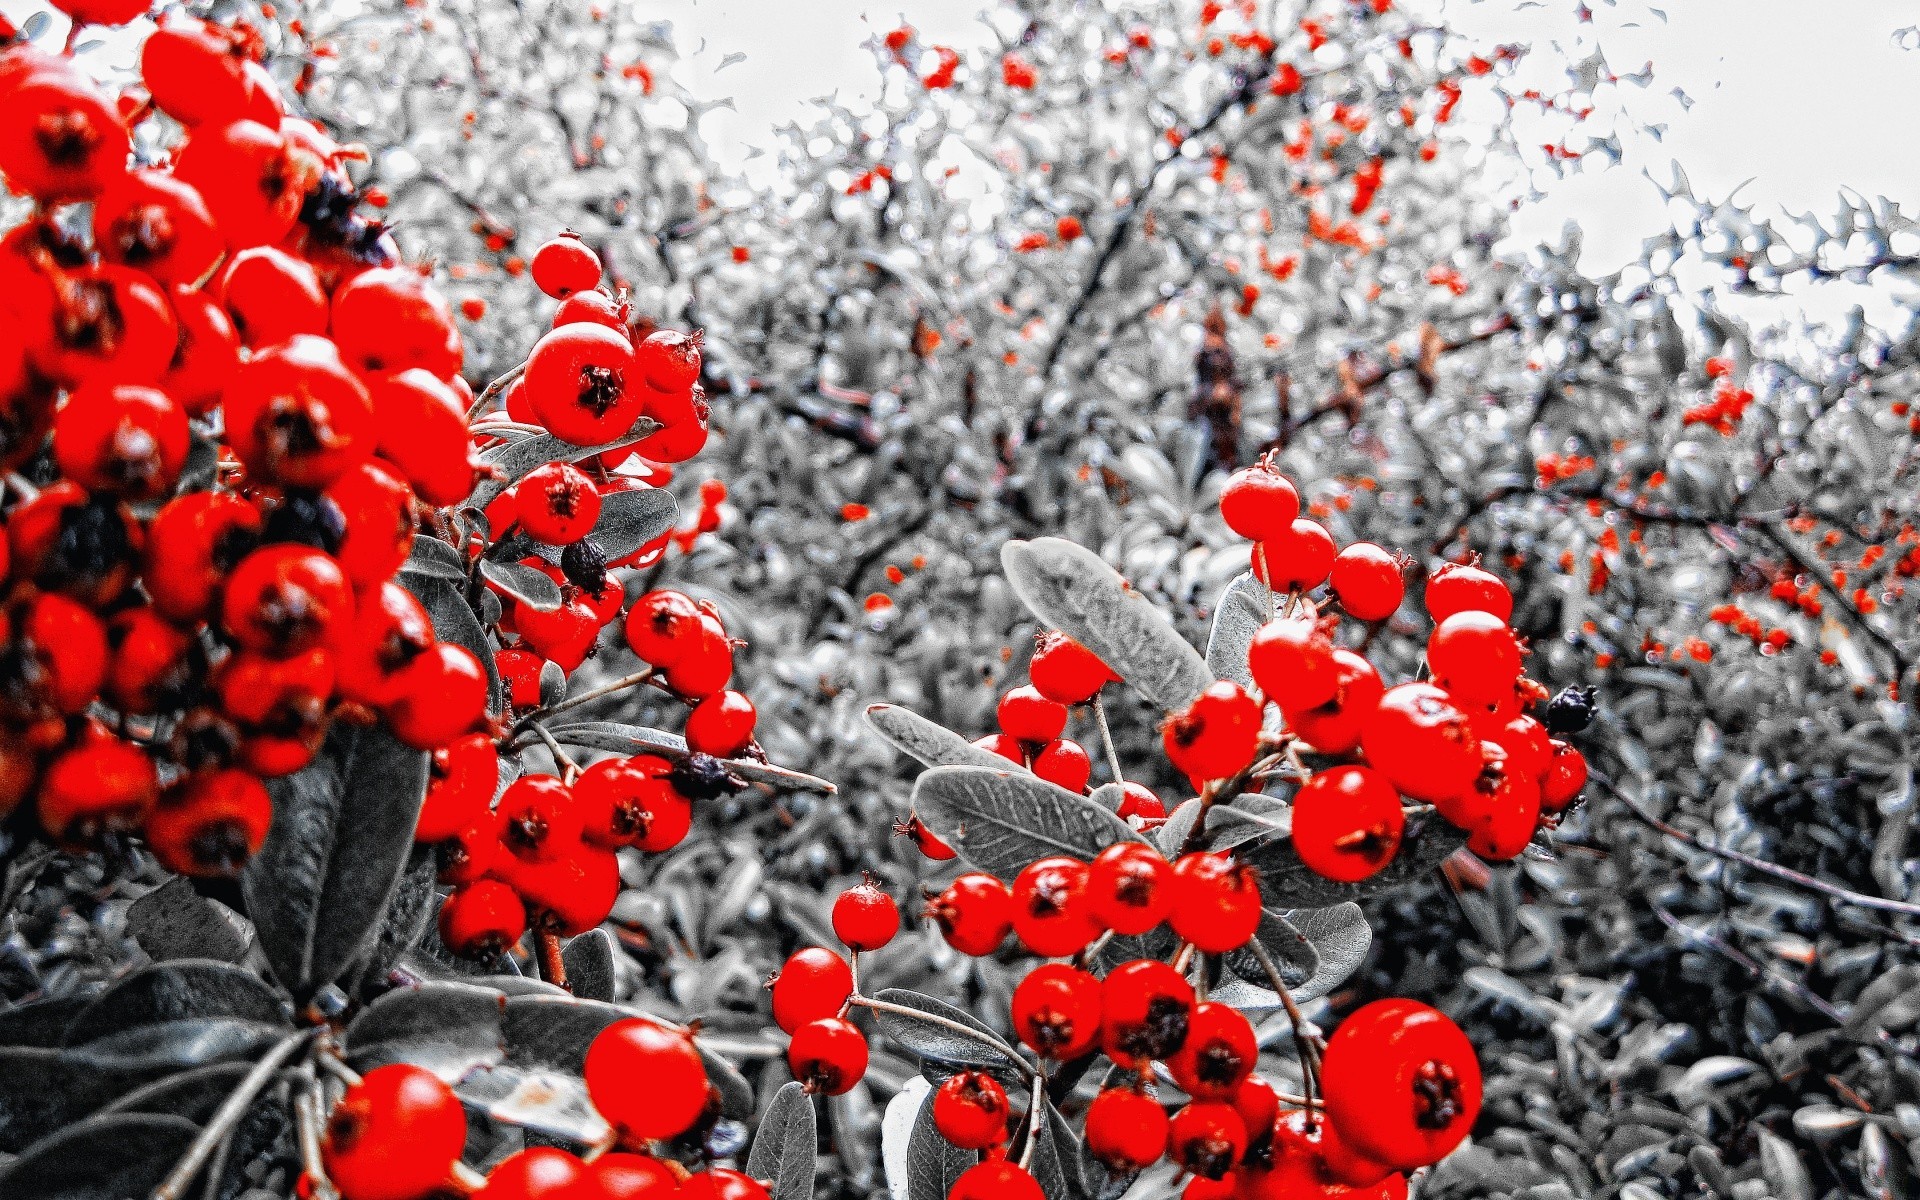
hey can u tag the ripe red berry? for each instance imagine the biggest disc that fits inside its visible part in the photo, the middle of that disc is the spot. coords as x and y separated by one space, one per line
719 1183
662 627
210 823
1422 743
536 1173
1206 1138
377 508
865 918
1145 1006
812 986
152 222
970 1110
520 671
395 1135
564 266
924 840
1219 1054
1027 716
974 913
581 380
564 635
297 416
721 725
1006 747
669 817
1460 587
1292 661
1566 774
646 1079
1297 560
126 441
392 319
1129 887
1052 913
1368 581
253 179
670 360
154 666
829 1056
100 786
1126 1130
706 665
389 631
1056 1011
1402 1083
1259 503
60 139
437 697
594 306
556 504
1138 800
1335 727
470 853
537 818
1347 823
1474 656
271 296
1258 1105
461 779
995 1179
1499 811
482 919
1062 763
1066 672
622 1176
1216 901
616 799
1216 735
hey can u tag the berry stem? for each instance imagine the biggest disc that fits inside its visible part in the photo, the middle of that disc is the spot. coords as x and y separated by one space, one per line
485 399
607 689
227 1118
1036 1112
1106 739
1305 1041
308 1118
560 757
553 964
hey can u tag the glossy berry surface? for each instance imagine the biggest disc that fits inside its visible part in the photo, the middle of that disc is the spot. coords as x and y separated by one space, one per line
970 1110
394 1136
865 918
1402 1083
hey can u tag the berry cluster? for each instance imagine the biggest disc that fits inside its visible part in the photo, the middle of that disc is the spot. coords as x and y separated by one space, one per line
224 408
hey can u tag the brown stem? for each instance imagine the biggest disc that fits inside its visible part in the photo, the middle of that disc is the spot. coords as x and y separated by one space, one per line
1305 1043
553 965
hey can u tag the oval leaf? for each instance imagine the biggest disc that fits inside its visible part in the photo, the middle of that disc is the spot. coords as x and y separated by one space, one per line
447 1028
1001 820
1286 882
434 559
931 743
784 1145
105 1158
589 961
519 457
635 739
527 585
930 1040
342 829
173 921
1072 589
1239 613
178 991
631 519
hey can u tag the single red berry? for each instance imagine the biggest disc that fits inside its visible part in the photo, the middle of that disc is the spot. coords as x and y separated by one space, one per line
1206 1138
1066 672
283 599
707 664
1336 726
669 360
925 840
1474 656
1258 1105
1219 1054
1216 735
1368 581
970 1110
557 504
461 779
210 823
594 306
1126 1130
1138 800
1259 503
389 631
1566 774
1216 901
623 1176
721 725
537 818
1052 913
646 1079
865 918
481 920
1027 716
1401 1083
1347 823
297 416
393 319
616 799
1292 661
974 913
1056 1011
205 355
1129 887
663 626
253 179
152 222
99 786
581 380
536 1173
995 1179
564 266
194 70
377 507
717 1183
270 296
395 1135
1422 743
1462 587
470 853
437 697
1298 560
829 1056
1146 1006
1499 811
669 817
60 139
1062 763
423 433
126 441
155 665
1006 747
1528 746
192 546
812 986
565 635
520 671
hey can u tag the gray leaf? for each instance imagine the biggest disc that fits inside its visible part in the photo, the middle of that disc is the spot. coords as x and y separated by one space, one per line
527 585
1341 937
453 621
174 921
447 1028
942 1045
1286 882
589 961
415 905
1291 951
1237 616
434 559
193 1095
931 743
1780 1165
1073 590
784 1145
342 829
105 1158
517 458
933 1163
1002 820
178 991
631 519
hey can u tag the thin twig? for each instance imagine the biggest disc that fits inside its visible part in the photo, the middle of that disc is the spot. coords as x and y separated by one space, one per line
309 1119
227 1117
1106 739
486 398
553 962
604 690
1304 1042
1036 1113
560 757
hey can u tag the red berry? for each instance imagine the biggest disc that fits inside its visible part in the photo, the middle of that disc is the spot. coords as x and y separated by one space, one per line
616 799
1422 743
1216 735
995 1179
829 1056
437 697
1056 1011
974 913
1219 1054
1126 1130
253 180
557 504
669 817
537 818
1006 747
536 1173
646 1079
707 664
150 669
1258 1105
100 786
1460 587
205 355
210 823
1052 913
470 853
423 432
924 840
520 671
1566 774
1259 503
152 222
395 1135
271 296
195 70
1292 661
1336 726
389 631
721 725
1146 1006
1027 716
812 986
581 381
1347 823
1474 656
1401 1083
1297 560
284 599
719 1183
1368 581
391 319
1500 811
297 416
594 306
1129 887
621 1176
662 627
564 266
60 139
670 360
462 776
1206 1138
1064 671
482 919
1137 800
1216 901
1062 763
970 1110
378 509
564 635
865 918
